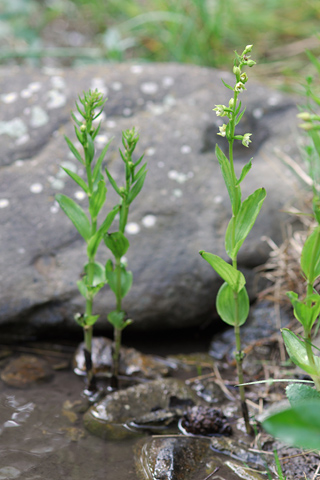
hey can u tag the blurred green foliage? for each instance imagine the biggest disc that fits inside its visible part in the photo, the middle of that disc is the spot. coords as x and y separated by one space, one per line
202 32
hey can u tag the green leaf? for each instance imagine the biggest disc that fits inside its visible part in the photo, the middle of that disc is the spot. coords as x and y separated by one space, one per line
86 320
77 179
113 182
244 172
97 199
76 215
226 305
74 150
298 393
135 190
306 312
116 319
99 275
97 166
79 135
298 426
78 122
112 278
139 173
310 256
117 243
82 288
226 172
226 85
296 349
234 278
94 241
239 116
244 222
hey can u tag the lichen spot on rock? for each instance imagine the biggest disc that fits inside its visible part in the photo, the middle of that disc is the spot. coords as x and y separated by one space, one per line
132 228
36 188
149 88
9 97
149 221
4 202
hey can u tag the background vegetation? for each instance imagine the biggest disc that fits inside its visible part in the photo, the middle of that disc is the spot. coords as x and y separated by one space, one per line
202 32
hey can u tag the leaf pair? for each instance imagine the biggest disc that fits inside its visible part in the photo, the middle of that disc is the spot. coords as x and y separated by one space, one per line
307 311
297 351
112 275
232 298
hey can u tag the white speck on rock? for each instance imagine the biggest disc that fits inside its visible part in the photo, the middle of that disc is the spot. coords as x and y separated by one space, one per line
132 228
257 113
218 199
25 93
36 188
23 139
167 82
185 149
39 117
9 97
54 208
127 112
34 86
149 221
136 69
116 86
19 163
56 99
21 250
177 176
274 100
149 88
111 124
177 193
150 151
58 82
4 202
102 139
80 195
14 128
160 164
7 473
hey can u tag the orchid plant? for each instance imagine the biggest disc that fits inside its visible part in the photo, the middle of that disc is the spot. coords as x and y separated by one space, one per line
232 300
94 278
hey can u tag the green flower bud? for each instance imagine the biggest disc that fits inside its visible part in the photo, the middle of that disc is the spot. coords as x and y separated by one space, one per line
248 49
83 128
250 63
236 70
305 116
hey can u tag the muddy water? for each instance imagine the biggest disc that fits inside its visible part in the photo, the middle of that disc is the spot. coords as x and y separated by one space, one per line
42 439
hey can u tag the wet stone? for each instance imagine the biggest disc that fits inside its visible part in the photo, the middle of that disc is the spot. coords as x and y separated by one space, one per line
26 370
132 362
171 458
111 417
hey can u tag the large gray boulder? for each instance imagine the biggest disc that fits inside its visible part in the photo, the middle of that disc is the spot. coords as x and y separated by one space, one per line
182 209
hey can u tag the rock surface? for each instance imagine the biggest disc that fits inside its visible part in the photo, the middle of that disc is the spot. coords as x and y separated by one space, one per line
107 418
182 209
132 362
26 370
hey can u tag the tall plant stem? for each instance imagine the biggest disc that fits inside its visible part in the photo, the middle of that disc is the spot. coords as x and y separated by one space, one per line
117 331
239 353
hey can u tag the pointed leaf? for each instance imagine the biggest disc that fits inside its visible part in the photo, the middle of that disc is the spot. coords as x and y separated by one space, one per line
135 190
126 280
244 221
79 135
99 275
227 308
226 172
74 150
226 85
310 256
234 278
97 199
78 122
298 393
139 172
77 179
239 116
94 241
113 182
244 171
97 166
76 215
296 349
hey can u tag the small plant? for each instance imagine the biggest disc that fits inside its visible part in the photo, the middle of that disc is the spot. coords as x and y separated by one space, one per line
118 278
90 107
299 425
232 300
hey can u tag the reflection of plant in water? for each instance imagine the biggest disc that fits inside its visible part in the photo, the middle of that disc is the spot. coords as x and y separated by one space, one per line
232 300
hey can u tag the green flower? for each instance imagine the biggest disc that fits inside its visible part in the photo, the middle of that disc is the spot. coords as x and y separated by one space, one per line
220 110
223 130
239 87
246 139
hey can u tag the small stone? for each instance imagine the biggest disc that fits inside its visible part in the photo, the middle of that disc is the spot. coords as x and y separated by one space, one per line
26 370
